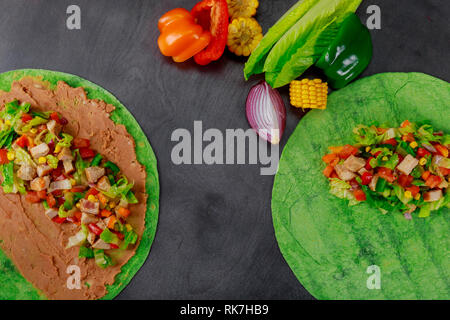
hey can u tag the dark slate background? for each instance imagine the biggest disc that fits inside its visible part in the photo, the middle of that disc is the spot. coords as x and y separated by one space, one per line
215 238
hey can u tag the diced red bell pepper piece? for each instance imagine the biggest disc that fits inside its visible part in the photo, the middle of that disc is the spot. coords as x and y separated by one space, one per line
42 194
23 141
32 197
414 190
444 171
95 229
405 180
113 246
81 143
359 195
4 156
51 201
366 178
443 151
422 152
87 153
386 174
59 220
26 117
392 142
212 15
433 181
92 191
328 171
368 166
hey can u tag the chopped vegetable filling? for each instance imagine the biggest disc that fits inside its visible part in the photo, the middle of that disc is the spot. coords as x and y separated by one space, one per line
405 169
73 182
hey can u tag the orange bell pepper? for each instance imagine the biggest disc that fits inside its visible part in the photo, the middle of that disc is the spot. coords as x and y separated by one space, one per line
181 38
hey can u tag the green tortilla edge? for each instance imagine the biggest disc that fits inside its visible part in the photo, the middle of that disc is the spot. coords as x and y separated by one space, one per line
14 285
330 246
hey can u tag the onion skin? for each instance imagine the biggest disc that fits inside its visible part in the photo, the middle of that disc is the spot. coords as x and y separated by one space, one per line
266 112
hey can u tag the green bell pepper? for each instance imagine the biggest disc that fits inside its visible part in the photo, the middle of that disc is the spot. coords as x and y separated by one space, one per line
348 54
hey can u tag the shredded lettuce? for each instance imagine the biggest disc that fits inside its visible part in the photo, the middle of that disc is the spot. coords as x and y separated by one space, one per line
33 123
130 238
65 141
341 189
122 189
52 161
101 259
23 158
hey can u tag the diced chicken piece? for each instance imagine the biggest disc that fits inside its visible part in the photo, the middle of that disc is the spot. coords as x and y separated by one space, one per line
43 170
353 163
104 184
373 183
362 171
443 184
54 127
26 172
51 213
408 164
60 185
432 195
94 173
65 154
87 206
91 238
68 166
100 244
87 218
40 151
39 184
343 173
101 224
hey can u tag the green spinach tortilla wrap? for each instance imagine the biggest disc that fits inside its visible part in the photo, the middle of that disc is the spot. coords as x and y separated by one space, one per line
79 189
339 251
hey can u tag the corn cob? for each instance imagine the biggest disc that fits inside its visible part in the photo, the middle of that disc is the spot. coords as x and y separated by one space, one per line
308 93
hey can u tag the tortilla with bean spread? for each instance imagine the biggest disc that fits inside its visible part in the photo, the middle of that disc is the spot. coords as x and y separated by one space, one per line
43 241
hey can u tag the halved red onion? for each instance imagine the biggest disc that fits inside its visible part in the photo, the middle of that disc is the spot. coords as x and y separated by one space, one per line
266 112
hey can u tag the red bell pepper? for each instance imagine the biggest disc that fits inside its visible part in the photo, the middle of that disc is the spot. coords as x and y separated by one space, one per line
81 143
32 197
359 195
366 178
26 117
95 229
87 153
59 219
23 141
4 156
212 15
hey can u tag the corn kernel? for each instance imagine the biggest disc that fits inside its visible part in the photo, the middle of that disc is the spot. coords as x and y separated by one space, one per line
57 149
368 149
42 160
92 198
78 205
11 155
417 196
422 161
112 205
129 227
413 145
408 194
8 123
33 131
385 158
